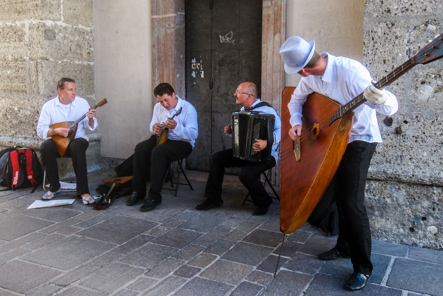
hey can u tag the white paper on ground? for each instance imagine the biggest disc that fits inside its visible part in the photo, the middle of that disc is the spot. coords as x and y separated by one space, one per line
66 185
50 203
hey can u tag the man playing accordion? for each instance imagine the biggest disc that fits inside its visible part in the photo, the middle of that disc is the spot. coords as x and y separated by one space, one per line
246 95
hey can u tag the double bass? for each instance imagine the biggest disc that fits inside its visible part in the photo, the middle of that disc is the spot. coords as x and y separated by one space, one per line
309 164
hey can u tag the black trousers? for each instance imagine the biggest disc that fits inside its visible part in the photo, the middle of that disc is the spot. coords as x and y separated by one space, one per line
155 160
249 176
77 150
348 188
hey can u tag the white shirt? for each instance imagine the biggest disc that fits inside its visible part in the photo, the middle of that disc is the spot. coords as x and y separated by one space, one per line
277 126
187 126
55 112
343 80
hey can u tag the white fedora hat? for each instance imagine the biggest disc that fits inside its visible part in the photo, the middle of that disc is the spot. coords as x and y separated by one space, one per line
296 53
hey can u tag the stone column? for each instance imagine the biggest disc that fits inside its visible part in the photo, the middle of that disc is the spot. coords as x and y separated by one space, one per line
273 82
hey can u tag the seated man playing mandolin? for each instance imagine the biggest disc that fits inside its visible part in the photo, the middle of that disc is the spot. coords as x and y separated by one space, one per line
175 129
246 96
66 107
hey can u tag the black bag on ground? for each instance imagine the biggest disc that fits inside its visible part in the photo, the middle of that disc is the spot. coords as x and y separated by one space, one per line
20 168
126 167
106 201
325 215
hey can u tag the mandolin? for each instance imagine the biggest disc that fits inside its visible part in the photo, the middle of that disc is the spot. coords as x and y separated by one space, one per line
63 142
165 133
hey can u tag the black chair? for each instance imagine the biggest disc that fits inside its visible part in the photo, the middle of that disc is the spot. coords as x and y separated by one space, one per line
266 175
174 176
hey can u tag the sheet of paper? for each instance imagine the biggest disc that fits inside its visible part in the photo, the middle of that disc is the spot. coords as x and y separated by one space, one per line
50 203
66 185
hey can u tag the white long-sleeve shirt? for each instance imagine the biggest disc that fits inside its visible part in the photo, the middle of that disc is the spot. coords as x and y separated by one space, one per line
343 80
187 126
277 126
54 112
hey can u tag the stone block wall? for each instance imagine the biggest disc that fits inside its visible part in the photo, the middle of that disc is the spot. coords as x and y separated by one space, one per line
404 192
42 41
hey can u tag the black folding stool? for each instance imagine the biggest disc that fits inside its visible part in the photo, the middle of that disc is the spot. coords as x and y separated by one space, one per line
266 174
175 177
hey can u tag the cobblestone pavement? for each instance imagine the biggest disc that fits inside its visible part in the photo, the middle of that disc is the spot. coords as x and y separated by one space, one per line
176 250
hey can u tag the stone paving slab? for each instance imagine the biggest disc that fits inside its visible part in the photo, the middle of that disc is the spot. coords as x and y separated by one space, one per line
176 250
13 272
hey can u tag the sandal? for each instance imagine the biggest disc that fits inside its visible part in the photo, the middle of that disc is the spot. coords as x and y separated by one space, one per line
88 201
49 194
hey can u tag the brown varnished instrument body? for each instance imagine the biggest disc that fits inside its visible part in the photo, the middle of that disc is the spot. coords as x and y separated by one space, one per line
322 147
165 133
63 142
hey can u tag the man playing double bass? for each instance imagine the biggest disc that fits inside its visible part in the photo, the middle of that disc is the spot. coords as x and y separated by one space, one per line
178 118
342 79
66 107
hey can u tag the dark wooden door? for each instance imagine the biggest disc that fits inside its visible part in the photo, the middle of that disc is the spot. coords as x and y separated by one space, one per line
223 49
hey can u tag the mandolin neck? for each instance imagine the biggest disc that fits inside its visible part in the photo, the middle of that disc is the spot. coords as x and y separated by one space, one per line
80 119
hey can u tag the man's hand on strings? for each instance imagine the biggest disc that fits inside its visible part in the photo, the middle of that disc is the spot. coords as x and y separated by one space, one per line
374 95
91 114
61 131
295 132
170 123
157 128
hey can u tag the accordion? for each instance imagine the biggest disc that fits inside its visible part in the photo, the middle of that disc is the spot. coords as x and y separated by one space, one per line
248 126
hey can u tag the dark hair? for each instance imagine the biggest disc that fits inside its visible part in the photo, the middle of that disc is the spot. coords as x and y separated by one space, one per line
163 88
61 82
314 60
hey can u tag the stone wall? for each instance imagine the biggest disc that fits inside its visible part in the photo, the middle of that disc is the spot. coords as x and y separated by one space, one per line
42 41
404 193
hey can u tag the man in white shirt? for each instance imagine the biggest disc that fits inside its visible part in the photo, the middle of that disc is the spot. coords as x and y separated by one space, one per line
179 117
64 108
342 79
246 96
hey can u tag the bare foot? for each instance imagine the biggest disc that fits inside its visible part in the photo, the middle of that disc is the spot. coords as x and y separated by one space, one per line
50 195
87 199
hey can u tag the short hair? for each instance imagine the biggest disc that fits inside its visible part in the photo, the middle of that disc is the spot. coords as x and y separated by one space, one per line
314 60
61 82
252 89
163 88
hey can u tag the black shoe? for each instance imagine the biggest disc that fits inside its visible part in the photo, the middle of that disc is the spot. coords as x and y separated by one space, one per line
209 204
260 211
357 281
134 198
332 255
149 205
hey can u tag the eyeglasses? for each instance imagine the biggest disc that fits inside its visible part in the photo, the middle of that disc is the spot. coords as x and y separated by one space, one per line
243 93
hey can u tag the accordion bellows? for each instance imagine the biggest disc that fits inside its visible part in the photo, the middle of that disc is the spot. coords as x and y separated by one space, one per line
248 126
